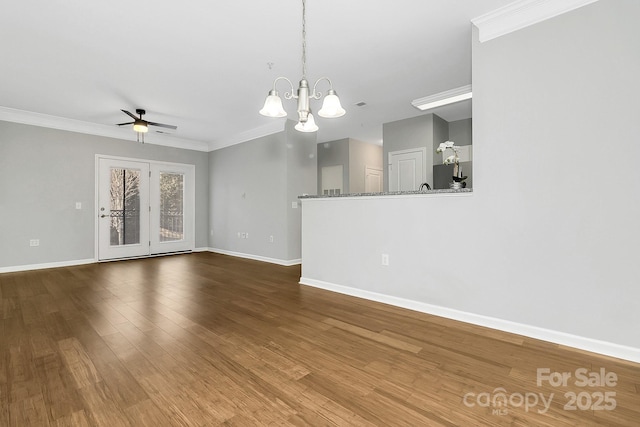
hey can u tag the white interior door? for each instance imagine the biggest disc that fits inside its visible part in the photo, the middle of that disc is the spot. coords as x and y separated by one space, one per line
123 200
407 169
372 180
144 208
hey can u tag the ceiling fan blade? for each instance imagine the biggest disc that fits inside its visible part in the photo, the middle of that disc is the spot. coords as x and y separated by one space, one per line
122 124
162 125
130 115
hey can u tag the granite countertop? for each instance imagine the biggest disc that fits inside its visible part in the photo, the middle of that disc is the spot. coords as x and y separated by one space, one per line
387 193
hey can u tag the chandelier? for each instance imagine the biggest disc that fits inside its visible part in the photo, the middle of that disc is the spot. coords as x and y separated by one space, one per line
331 107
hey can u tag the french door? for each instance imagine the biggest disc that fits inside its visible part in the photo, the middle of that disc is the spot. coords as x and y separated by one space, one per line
144 208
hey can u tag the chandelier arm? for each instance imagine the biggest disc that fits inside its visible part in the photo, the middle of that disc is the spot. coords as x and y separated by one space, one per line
287 95
316 94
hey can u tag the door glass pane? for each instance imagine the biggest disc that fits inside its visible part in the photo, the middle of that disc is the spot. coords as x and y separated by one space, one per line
171 206
125 207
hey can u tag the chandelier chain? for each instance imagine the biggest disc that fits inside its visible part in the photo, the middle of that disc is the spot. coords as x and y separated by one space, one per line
304 39
331 107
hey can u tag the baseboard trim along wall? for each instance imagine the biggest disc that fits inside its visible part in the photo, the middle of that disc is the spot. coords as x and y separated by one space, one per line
284 263
26 267
569 340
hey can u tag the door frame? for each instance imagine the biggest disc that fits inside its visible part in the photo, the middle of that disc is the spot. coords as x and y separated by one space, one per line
189 198
368 168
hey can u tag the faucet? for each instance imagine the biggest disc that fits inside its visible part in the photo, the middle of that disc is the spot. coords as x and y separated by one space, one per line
423 185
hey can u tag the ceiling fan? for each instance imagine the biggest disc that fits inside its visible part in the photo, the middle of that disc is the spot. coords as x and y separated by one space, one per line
142 125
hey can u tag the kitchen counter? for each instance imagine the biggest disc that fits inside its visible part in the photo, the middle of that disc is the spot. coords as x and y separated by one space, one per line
389 193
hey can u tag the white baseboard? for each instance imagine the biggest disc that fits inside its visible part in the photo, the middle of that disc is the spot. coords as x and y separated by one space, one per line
26 267
285 263
562 338
16 268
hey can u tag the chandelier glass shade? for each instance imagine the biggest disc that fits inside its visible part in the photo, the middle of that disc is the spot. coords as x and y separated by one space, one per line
273 105
308 126
331 107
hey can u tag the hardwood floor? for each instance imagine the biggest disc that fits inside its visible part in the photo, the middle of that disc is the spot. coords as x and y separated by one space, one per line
206 340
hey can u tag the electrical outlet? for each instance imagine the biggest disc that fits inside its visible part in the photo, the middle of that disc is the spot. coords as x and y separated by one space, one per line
294 205
78 205
239 235
385 259
246 235
34 242
270 239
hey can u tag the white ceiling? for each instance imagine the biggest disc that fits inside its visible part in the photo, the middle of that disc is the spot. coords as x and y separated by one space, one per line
202 65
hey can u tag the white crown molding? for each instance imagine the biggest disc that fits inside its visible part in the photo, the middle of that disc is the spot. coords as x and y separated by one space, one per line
521 14
270 128
61 123
71 125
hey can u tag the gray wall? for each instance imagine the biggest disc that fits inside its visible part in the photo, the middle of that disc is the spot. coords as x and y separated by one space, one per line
301 178
248 183
460 131
564 240
44 172
354 156
440 135
361 155
334 153
253 186
540 245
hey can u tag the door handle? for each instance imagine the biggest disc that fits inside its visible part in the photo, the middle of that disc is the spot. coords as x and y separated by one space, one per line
103 216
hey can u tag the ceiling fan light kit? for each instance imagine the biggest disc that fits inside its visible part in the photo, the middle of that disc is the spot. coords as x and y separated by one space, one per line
331 107
140 125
